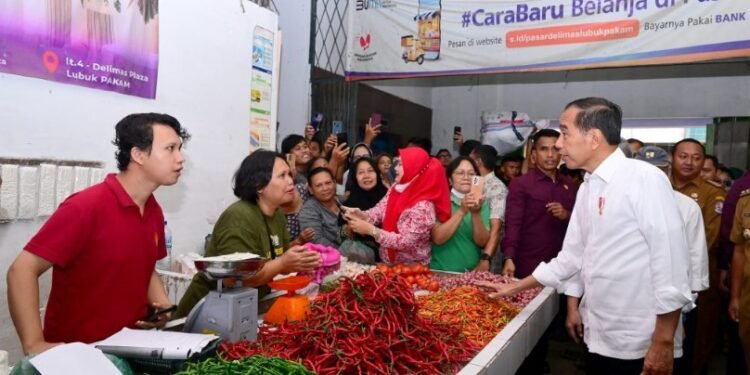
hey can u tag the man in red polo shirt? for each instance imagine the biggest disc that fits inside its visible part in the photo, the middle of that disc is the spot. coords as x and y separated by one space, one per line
102 245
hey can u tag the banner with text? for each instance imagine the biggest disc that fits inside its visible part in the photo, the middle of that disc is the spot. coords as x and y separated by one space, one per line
262 126
413 38
104 44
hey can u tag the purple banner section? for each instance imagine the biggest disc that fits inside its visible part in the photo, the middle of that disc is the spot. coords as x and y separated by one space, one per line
99 44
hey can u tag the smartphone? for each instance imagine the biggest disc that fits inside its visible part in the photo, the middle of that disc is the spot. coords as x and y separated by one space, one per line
456 133
337 127
317 119
342 138
376 118
477 185
153 316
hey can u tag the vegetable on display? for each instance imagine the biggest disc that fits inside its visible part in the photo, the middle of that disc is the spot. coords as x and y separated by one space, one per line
479 317
253 365
418 276
519 300
367 325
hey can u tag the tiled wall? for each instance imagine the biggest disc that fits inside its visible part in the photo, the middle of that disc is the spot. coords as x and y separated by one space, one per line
34 188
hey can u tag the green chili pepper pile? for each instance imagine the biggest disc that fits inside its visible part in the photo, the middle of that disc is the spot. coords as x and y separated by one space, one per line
255 365
369 325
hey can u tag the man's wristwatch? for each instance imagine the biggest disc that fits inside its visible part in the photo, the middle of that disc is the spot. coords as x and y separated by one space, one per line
486 257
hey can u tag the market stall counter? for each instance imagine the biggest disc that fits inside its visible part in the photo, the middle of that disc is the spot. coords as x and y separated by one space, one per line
405 319
505 353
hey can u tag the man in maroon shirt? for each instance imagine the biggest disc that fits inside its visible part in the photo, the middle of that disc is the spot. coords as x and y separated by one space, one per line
537 211
102 244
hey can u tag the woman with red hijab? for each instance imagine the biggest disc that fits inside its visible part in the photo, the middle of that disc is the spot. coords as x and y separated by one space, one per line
406 214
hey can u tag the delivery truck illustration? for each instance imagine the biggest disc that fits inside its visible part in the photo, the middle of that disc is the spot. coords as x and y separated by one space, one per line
425 45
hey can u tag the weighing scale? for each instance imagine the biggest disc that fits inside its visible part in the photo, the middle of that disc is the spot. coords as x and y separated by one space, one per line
231 313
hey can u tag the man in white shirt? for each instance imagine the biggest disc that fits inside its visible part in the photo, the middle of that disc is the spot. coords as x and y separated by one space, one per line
697 250
625 247
691 217
698 258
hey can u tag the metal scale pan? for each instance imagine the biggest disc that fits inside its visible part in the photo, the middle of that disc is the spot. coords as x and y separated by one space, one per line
231 313
220 268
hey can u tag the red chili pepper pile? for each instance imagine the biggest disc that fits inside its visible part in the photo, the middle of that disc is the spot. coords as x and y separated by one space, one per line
368 325
519 300
479 317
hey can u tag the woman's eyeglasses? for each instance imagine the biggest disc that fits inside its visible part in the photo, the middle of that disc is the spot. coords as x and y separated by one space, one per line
464 174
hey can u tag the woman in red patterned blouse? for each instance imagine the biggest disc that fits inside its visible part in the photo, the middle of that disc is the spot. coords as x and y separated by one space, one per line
407 212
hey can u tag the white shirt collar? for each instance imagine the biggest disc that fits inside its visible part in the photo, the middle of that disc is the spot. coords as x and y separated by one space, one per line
609 167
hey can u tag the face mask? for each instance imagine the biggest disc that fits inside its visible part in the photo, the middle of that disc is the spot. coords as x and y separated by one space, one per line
457 194
401 187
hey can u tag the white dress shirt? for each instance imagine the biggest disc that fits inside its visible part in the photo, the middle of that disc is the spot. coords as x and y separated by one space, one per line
692 218
695 233
625 245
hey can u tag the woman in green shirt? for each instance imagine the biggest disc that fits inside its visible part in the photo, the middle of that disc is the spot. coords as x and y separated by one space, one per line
458 243
255 224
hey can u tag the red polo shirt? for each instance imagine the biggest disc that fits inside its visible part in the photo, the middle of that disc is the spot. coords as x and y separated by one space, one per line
103 251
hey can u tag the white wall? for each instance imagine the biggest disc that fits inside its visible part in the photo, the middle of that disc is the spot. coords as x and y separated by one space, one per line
698 90
294 92
204 81
416 90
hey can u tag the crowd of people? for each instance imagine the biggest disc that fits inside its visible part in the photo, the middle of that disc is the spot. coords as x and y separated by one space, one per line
639 240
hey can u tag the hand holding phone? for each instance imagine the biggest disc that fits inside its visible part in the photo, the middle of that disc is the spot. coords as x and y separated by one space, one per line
372 130
154 315
457 136
309 132
317 119
375 119
292 161
477 186
337 127
342 138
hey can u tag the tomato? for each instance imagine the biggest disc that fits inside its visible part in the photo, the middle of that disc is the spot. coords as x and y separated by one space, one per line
405 270
410 279
418 269
434 286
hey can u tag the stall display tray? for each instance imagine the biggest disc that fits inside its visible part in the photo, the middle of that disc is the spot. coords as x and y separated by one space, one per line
507 351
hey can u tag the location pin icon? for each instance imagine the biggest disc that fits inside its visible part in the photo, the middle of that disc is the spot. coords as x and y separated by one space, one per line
50 61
